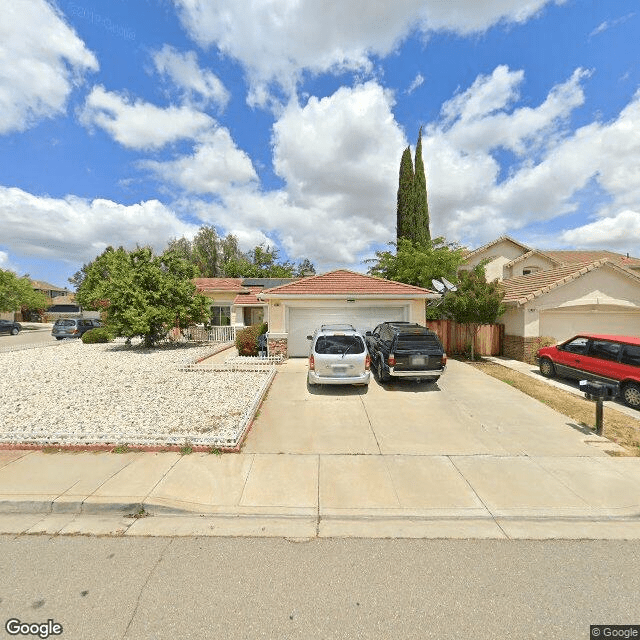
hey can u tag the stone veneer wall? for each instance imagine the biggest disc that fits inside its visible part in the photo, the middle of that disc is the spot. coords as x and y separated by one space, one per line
524 349
277 346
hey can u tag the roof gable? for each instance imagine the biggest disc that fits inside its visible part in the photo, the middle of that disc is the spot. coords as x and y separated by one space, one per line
522 289
344 282
486 247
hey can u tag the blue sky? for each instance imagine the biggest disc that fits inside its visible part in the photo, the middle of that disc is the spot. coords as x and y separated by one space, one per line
283 122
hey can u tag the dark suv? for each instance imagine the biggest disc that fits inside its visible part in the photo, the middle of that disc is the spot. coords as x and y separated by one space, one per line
406 350
73 327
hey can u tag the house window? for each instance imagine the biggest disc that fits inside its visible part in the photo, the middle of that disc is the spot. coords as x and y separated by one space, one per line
220 316
527 270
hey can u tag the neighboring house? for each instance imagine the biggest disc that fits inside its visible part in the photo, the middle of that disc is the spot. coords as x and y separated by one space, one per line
50 290
557 294
298 308
233 301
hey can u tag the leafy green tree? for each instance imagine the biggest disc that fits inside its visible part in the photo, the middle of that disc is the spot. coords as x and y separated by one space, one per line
18 293
143 295
260 262
305 268
418 264
476 301
422 234
183 247
229 249
206 252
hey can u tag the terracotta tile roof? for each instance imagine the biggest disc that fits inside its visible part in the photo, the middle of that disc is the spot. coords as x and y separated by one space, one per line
249 299
521 289
572 257
218 284
534 252
344 282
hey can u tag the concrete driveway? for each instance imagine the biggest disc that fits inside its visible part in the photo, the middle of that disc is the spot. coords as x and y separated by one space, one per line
465 413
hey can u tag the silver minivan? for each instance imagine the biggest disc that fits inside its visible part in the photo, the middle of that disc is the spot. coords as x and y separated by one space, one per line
338 355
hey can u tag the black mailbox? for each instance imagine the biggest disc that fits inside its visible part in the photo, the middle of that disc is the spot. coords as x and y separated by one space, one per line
598 390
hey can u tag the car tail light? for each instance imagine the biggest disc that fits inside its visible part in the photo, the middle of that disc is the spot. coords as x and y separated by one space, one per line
391 361
443 360
312 363
367 362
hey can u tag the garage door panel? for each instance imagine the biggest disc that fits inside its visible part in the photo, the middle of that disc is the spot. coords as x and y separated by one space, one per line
562 325
303 321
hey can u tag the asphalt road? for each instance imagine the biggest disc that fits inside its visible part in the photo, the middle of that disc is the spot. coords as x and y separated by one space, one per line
28 336
338 588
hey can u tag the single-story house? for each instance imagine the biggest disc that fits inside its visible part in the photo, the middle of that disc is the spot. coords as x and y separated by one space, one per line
233 301
557 294
296 309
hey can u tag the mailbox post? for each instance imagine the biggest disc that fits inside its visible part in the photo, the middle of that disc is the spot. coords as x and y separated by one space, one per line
599 392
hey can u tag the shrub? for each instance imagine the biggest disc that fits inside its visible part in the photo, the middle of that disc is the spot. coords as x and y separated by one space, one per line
93 336
247 339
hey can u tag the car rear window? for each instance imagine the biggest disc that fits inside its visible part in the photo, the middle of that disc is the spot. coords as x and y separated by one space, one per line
339 344
631 355
413 341
65 323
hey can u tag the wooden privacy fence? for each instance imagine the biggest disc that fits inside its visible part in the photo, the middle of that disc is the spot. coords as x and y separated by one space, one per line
456 338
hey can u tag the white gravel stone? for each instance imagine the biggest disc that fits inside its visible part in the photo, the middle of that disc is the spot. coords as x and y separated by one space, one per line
109 393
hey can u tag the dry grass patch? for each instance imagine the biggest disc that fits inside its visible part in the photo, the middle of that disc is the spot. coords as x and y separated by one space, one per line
618 427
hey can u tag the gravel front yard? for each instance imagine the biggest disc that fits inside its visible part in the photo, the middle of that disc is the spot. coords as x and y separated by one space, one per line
76 394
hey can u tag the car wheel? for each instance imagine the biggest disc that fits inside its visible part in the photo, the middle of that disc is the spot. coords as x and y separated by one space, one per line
57 338
546 368
383 376
631 394
14 331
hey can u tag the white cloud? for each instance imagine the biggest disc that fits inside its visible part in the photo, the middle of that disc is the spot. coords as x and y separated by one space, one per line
418 81
341 153
215 166
339 159
41 59
5 262
276 40
471 201
184 71
621 232
609 24
141 125
75 230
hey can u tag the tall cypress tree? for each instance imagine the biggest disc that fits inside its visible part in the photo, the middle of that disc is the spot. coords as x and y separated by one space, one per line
405 206
422 232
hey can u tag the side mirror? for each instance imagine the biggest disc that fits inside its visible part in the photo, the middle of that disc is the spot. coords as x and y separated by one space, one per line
309 337
367 333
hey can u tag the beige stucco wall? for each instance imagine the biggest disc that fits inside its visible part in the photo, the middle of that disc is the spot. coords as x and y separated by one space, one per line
531 261
499 255
602 291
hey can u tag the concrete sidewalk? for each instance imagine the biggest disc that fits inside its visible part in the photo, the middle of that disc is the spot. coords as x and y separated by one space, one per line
302 495
469 457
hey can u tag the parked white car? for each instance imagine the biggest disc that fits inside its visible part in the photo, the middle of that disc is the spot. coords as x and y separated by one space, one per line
338 355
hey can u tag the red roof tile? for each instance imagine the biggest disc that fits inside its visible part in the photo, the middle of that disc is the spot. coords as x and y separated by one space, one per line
249 299
343 282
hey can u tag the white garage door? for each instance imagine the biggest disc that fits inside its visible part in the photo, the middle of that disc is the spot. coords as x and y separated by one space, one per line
304 321
565 324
